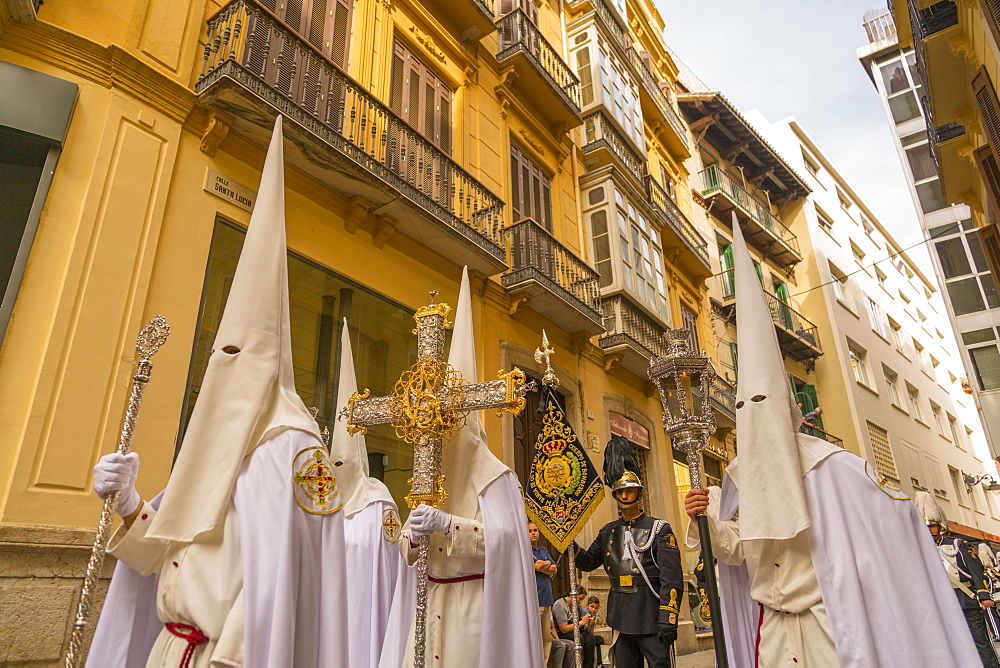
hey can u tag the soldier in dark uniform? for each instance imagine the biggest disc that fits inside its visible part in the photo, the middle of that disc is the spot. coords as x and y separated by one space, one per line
642 560
968 578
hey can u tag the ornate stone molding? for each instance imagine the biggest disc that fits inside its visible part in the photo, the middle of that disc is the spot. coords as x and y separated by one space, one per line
384 228
531 141
216 128
427 42
356 213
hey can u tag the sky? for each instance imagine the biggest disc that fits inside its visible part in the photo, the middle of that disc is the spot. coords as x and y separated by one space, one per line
799 58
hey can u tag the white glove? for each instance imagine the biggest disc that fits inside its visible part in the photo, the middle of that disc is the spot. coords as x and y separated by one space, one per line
117 473
425 520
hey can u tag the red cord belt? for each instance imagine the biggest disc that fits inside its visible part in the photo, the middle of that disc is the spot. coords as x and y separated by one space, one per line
194 637
464 578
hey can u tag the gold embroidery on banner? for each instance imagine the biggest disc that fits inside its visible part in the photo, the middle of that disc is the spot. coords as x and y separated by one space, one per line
315 486
391 526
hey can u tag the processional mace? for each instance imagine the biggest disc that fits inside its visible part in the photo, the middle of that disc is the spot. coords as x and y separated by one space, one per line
152 336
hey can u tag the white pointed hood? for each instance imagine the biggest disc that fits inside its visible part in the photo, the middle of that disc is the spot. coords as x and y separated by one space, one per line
348 454
467 463
773 455
248 393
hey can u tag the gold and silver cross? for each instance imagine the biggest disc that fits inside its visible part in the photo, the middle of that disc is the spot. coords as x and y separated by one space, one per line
429 403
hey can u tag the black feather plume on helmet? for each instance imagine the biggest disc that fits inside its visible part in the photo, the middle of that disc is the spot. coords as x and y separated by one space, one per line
619 458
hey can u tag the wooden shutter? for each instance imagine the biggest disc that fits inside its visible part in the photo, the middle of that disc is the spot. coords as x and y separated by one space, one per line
989 107
991 12
989 171
989 237
420 98
531 189
339 22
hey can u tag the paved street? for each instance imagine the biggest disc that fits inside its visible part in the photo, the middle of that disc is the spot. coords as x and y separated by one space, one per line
704 659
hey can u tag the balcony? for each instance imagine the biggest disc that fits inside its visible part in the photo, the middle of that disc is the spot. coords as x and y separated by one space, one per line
797 336
825 435
722 394
555 282
341 135
603 145
683 231
761 227
473 19
933 19
656 105
536 73
632 337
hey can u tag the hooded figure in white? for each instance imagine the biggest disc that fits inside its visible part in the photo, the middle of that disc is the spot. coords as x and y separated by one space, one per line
243 543
371 528
482 607
821 561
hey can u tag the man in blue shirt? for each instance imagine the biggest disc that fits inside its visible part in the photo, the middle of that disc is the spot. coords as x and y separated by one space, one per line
545 568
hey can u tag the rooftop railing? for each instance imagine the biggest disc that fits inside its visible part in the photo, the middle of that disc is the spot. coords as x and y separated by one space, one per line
517 32
880 26
250 45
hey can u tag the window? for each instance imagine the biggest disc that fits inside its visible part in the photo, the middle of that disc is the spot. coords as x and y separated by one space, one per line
627 249
891 378
897 339
877 318
838 282
845 201
913 394
899 82
728 277
881 451
953 428
938 421
911 456
880 277
986 362
968 281
857 254
868 227
957 484
606 80
932 471
825 221
858 355
531 190
689 321
380 335
923 171
423 100
30 145
811 164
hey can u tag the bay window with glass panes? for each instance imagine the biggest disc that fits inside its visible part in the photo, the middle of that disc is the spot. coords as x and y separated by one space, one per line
606 81
923 170
983 346
626 243
901 84
968 282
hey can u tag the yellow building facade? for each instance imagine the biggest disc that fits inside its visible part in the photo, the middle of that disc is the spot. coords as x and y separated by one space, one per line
539 144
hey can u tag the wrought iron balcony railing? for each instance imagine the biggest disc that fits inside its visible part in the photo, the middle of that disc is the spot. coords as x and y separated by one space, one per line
792 321
653 89
947 132
599 131
626 324
676 219
534 254
716 181
819 433
248 44
933 19
518 33
727 280
722 394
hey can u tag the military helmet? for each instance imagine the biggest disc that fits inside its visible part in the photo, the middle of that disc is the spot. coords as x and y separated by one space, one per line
627 479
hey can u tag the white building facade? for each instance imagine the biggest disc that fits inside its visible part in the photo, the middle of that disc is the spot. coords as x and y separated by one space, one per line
886 336
971 300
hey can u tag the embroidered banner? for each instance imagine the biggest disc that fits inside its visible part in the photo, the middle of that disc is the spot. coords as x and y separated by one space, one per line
563 488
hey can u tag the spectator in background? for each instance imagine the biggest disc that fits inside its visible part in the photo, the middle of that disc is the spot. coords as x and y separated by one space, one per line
593 607
562 650
545 568
562 614
810 421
